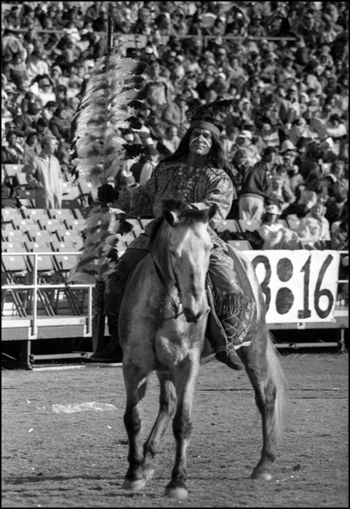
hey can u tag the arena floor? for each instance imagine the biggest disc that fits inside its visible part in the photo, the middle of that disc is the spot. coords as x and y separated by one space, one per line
79 459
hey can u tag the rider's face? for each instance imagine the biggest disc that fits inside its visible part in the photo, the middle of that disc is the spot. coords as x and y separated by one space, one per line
200 142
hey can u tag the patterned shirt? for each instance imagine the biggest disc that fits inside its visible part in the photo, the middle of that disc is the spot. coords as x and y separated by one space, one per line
199 187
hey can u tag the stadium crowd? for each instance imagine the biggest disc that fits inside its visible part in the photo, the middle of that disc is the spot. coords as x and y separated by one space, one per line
284 66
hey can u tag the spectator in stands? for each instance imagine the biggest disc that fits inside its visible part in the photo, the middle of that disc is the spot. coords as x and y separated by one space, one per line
45 176
12 153
314 226
8 192
255 194
169 144
302 207
143 169
32 147
274 234
282 192
340 231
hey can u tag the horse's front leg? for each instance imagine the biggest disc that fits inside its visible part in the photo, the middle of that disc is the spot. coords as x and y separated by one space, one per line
167 407
135 384
185 381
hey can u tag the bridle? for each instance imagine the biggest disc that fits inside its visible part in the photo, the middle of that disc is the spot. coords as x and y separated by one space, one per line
175 306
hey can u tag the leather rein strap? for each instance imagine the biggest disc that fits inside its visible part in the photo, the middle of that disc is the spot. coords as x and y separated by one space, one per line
161 277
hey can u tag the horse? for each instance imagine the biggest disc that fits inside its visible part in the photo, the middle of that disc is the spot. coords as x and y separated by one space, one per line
162 328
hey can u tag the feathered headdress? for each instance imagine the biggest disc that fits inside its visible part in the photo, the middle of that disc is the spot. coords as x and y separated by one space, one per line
111 97
211 116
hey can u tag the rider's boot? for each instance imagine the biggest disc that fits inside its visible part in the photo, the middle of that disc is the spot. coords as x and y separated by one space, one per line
235 322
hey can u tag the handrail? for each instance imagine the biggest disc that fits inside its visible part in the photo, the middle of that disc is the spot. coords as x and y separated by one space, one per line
35 287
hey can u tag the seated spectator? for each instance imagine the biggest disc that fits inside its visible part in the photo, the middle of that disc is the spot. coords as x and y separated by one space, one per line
143 169
336 203
25 123
282 192
314 226
59 125
43 89
37 64
12 153
274 234
8 192
32 147
302 207
340 231
169 144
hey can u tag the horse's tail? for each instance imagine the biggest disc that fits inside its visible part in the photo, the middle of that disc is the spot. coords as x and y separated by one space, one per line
276 375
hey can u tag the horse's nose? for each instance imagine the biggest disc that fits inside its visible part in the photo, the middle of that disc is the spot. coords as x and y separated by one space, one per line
192 317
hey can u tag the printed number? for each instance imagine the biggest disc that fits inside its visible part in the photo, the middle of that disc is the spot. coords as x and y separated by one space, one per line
323 293
285 295
266 281
306 312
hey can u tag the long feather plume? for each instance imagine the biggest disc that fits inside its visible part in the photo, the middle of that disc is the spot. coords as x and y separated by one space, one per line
109 104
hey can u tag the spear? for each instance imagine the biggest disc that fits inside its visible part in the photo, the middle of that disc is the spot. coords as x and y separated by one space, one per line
106 107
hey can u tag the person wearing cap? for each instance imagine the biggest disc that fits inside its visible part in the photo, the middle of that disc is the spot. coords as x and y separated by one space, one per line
44 175
274 234
195 174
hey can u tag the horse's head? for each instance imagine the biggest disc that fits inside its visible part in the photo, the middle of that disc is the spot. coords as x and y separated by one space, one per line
188 247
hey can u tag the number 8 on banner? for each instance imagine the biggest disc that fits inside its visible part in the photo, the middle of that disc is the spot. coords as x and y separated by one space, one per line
297 285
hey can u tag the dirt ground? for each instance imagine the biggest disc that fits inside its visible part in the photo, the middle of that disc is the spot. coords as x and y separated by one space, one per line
79 459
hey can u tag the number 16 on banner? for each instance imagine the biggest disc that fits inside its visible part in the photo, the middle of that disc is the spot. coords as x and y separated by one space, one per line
298 286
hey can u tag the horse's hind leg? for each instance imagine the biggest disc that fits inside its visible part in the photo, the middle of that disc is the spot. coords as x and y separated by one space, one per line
265 373
135 384
185 381
167 407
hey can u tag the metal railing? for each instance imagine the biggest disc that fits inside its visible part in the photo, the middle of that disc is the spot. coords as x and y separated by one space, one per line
35 287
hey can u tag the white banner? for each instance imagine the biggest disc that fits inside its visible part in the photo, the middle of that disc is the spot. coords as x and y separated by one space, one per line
298 286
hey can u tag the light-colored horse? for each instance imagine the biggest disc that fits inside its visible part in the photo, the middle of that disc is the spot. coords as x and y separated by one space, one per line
162 326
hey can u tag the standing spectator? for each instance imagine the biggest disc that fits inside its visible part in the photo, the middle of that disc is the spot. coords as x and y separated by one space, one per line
170 143
45 176
256 192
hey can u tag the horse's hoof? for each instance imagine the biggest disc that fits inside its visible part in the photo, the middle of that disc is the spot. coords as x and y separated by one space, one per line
148 473
262 475
176 493
134 485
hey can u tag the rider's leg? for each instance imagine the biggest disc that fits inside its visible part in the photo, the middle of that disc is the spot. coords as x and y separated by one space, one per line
233 308
114 292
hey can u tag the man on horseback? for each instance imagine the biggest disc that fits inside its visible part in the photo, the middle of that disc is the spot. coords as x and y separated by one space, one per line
196 173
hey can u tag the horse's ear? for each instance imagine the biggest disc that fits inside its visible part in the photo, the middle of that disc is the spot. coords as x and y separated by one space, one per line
212 211
170 217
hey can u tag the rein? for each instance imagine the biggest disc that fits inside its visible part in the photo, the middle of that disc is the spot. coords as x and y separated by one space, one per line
161 277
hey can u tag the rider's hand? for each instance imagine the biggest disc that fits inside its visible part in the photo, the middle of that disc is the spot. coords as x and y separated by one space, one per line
106 194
